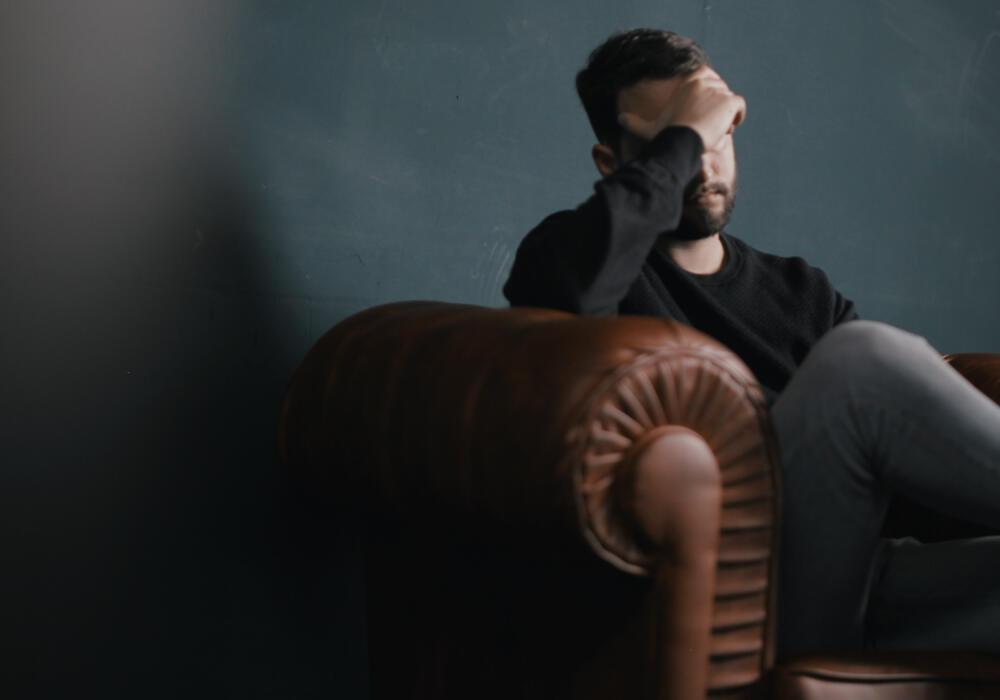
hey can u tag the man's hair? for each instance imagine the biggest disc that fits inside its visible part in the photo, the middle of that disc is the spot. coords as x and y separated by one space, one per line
623 60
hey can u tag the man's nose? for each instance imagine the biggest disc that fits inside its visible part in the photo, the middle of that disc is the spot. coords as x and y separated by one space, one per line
709 166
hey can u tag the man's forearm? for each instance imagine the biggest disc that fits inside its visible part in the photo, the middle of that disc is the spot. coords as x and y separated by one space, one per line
584 261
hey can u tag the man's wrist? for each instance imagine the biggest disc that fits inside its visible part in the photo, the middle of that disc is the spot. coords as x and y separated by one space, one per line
679 148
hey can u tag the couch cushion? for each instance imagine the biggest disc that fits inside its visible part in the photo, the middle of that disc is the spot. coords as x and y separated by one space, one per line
884 676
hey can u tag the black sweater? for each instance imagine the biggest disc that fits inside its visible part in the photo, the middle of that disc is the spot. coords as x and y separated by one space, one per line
599 259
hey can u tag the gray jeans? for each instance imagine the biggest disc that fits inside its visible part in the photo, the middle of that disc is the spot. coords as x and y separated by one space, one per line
872 412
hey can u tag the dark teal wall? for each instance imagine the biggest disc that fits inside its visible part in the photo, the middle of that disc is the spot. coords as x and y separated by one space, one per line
404 149
191 196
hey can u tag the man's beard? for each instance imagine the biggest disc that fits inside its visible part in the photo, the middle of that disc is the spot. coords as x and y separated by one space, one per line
701 220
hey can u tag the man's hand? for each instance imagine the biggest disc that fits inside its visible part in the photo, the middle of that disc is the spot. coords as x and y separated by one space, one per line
700 100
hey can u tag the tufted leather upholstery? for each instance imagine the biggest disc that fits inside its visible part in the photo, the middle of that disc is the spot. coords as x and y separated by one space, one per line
553 506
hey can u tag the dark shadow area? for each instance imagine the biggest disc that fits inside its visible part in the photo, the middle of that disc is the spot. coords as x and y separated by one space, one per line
151 546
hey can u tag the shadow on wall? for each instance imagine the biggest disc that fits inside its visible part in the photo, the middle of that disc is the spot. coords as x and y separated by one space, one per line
151 546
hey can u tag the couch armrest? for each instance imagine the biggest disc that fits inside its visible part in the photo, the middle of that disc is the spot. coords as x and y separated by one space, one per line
522 416
624 435
982 369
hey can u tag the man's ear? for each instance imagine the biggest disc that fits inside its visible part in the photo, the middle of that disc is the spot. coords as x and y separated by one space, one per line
604 158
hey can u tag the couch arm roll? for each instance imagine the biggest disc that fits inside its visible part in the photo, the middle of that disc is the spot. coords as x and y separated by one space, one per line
526 420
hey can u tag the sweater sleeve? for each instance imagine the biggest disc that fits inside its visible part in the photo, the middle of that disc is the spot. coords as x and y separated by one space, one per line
585 260
844 310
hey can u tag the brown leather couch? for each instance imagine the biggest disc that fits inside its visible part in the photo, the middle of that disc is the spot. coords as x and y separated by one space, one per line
565 507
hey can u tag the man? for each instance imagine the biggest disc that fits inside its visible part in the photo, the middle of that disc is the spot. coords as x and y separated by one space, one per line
893 417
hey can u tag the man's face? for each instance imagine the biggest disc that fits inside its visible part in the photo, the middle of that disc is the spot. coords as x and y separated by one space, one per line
711 195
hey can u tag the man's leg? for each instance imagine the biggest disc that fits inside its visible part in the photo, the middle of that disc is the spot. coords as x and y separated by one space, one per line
941 595
871 412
